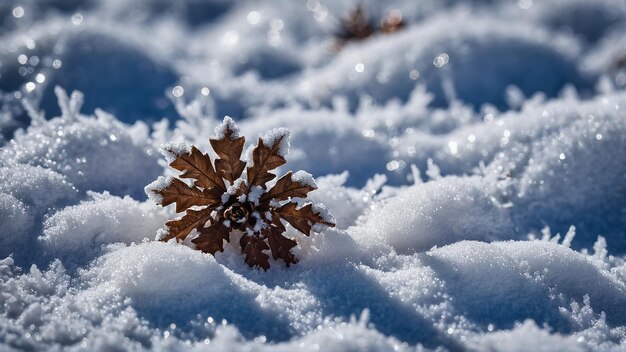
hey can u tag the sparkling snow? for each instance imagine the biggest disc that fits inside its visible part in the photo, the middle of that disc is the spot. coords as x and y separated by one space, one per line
474 164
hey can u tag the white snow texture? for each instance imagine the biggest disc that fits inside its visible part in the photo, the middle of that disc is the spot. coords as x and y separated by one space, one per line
474 164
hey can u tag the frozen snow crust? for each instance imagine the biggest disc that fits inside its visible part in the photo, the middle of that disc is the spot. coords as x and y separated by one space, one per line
475 164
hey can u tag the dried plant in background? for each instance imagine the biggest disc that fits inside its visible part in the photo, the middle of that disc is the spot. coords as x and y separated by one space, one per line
358 26
392 23
223 199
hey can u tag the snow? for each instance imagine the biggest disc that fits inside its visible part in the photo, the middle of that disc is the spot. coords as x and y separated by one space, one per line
86 227
473 163
304 178
171 151
436 214
255 194
277 135
232 190
157 185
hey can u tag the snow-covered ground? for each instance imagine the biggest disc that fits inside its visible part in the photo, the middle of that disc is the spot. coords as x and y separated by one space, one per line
475 163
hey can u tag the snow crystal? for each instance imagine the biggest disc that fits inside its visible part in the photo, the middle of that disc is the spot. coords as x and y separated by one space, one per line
436 214
512 111
70 106
232 190
270 138
260 224
171 151
304 178
227 124
323 212
17 224
87 151
159 184
255 194
85 227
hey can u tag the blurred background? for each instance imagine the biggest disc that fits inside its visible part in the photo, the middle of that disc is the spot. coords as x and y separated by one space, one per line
128 56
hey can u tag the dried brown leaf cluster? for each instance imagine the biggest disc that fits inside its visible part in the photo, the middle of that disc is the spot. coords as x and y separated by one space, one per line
224 199
357 26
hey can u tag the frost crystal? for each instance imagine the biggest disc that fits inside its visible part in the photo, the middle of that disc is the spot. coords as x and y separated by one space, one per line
270 138
303 177
171 151
228 125
153 189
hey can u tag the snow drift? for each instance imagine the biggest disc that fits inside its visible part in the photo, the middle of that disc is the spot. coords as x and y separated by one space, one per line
474 163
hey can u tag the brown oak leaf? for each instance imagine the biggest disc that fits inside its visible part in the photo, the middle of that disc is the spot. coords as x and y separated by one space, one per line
302 219
229 149
287 187
185 196
227 197
265 157
198 166
280 245
355 26
253 247
212 238
180 228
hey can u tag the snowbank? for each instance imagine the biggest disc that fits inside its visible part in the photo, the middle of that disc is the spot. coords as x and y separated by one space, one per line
455 156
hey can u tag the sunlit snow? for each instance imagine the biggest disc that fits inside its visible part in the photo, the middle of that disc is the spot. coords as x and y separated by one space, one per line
474 163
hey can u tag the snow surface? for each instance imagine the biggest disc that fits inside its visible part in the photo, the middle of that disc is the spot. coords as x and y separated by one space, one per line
474 164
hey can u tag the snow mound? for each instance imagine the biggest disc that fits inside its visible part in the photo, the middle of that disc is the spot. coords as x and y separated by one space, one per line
531 279
346 204
526 336
86 150
36 186
444 58
86 227
444 151
434 214
28 193
150 275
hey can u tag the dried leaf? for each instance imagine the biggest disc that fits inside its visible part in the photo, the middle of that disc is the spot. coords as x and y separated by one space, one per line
185 196
197 165
276 220
356 26
212 238
193 219
229 151
246 205
392 23
302 219
285 187
252 247
280 245
265 158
